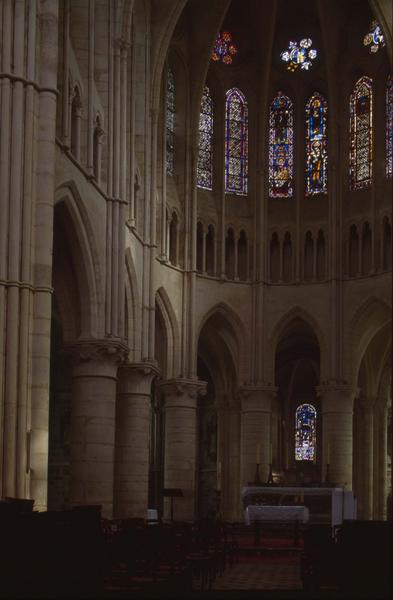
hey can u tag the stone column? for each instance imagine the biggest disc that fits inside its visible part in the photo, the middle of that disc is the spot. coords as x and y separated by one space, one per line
337 422
93 421
383 458
367 459
256 411
133 418
181 397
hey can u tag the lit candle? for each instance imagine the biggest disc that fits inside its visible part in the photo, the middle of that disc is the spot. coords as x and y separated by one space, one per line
328 454
258 453
219 476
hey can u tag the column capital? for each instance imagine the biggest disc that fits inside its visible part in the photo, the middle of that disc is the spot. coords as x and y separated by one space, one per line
183 387
136 378
257 397
88 354
337 396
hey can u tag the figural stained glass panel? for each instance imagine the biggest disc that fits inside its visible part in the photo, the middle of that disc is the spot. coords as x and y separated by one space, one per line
281 147
316 145
305 432
205 146
170 123
361 111
236 142
389 127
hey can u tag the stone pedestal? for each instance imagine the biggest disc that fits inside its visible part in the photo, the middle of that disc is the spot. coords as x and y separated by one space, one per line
93 422
133 418
255 445
337 423
181 397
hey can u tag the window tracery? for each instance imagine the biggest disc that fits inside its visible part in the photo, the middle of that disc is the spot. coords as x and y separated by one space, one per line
305 432
316 145
205 145
389 127
170 123
236 142
361 110
281 147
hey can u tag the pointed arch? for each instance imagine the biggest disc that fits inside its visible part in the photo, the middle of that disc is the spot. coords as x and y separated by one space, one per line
88 266
297 313
172 332
281 147
236 142
235 337
133 309
369 318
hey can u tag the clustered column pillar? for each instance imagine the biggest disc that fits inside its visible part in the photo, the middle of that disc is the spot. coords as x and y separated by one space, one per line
367 410
93 422
133 418
337 422
256 410
181 397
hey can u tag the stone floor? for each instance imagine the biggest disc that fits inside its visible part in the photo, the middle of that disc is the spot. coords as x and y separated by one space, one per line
259 576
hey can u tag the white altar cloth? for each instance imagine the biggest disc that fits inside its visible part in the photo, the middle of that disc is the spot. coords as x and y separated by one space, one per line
276 513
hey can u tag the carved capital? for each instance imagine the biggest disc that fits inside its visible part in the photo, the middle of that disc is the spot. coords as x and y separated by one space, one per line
257 398
97 356
182 387
136 378
337 396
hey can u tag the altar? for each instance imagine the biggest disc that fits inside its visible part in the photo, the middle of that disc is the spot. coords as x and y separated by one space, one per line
286 514
324 504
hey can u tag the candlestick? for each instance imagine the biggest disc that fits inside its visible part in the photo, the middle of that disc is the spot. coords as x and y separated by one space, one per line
328 453
271 453
258 457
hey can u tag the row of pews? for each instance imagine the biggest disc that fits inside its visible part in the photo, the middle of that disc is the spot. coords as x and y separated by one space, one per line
77 554
354 562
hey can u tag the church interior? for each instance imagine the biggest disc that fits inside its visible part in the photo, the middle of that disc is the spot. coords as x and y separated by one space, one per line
195 298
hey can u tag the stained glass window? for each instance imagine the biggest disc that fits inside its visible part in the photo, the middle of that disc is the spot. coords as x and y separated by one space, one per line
316 145
299 54
281 147
361 111
374 38
389 127
305 432
236 142
205 146
224 48
170 123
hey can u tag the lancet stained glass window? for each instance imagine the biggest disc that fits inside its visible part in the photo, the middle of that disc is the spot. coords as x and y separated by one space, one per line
389 127
305 432
316 145
170 123
281 147
361 111
236 142
205 146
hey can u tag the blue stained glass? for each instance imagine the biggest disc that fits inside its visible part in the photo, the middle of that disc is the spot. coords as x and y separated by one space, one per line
305 432
205 145
236 143
281 147
389 127
316 145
